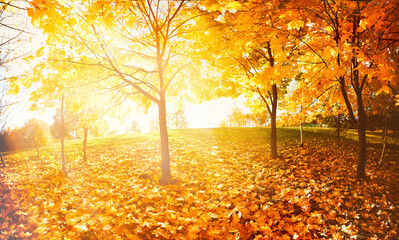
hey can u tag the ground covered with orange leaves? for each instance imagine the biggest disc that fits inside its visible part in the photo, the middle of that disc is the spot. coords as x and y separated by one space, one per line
227 188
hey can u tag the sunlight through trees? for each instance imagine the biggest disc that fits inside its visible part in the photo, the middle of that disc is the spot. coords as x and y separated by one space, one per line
105 65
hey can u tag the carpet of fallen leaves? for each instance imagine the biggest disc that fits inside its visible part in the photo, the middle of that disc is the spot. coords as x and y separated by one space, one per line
227 188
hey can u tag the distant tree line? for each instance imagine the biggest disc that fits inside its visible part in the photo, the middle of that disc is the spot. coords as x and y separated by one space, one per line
33 134
175 120
36 133
374 121
240 119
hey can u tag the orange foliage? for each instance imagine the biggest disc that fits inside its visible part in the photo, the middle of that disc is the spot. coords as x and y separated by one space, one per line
226 190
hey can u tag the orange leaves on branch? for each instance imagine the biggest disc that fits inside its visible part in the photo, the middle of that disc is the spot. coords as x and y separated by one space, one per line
47 14
296 24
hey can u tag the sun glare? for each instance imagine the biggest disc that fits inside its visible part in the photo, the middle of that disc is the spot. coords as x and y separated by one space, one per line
210 114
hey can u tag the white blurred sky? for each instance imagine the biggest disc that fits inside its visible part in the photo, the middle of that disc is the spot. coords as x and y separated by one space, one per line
205 115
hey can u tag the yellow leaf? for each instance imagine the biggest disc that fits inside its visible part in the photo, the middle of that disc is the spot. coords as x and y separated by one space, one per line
296 24
49 28
39 52
28 58
13 86
384 88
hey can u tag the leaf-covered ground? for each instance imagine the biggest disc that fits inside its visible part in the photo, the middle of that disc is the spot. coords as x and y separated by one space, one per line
227 188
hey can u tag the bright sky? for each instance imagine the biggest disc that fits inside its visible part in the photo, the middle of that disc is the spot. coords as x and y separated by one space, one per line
210 114
205 115
20 115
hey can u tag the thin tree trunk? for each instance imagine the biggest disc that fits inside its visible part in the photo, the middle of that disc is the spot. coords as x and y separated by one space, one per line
361 130
358 84
85 132
301 130
273 129
338 131
166 175
385 138
64 168
273 137
361 160
301 145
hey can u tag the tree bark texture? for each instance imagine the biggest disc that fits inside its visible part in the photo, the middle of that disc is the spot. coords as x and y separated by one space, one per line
273 125
361 159
166 175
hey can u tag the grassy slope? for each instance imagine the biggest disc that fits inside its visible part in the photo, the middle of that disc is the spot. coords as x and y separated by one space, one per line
227 185
284 133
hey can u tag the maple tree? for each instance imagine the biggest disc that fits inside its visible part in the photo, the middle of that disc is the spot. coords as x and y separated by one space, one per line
255 53
348 43
133 47
84 115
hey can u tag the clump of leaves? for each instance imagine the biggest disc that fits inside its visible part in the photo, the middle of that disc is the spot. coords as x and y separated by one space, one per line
228 188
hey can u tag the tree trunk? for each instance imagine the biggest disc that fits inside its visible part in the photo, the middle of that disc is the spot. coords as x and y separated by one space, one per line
166 175
85 131
64 168
358 84
301 129
273 137
301 145
385 137
273 126
361 130
338 131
